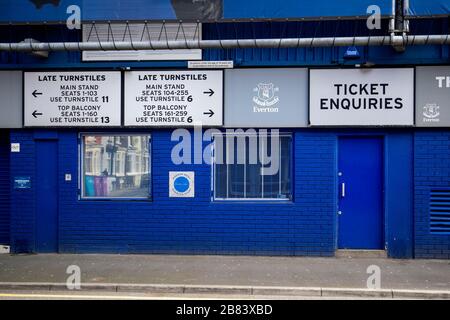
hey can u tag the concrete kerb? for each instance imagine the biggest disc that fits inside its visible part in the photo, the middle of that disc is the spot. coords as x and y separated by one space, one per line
360 293
418 294
86 287
32 286
195 289
233 290
287 291
150 288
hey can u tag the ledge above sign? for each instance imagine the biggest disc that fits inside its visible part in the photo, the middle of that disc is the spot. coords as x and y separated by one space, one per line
266 98
174 98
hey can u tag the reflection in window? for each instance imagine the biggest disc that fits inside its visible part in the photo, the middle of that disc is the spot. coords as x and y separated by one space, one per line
116 166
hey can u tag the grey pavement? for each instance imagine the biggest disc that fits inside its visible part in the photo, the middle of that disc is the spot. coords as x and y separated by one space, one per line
342 272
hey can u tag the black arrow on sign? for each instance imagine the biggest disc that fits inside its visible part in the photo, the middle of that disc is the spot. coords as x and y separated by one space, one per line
35 93
210 92
35 113
211 113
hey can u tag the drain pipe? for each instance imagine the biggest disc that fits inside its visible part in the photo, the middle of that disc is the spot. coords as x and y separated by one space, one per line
397 26
392 40
392 20
405 16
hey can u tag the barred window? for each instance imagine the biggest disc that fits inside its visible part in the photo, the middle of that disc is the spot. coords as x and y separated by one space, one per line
252 167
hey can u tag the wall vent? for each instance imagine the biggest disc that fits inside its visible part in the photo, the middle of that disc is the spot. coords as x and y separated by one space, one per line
440 211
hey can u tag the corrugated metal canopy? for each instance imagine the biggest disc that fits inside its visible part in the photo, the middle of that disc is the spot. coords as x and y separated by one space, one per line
17 11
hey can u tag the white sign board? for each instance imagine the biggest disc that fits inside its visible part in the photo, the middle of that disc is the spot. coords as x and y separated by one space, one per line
433 96
362 97
181 184
15 147
174 98
266 98
228 64
11 91
72 99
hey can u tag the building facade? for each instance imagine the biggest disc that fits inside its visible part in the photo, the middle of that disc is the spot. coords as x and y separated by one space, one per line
121 152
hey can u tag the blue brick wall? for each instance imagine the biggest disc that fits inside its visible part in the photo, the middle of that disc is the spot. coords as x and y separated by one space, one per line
190 226
4 188
307 226
23 200
432 169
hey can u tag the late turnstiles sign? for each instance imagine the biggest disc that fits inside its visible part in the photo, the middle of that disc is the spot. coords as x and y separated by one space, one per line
174 98
72 99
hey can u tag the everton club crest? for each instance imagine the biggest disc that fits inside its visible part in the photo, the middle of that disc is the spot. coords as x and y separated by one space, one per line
431 112
265 95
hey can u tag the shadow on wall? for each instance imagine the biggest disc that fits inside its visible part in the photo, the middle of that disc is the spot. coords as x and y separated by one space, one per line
198 9
184 9
40 3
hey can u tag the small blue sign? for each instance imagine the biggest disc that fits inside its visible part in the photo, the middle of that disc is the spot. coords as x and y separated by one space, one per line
22 182
352 54
181 184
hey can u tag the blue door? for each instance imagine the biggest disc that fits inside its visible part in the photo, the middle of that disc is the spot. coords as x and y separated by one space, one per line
46 196
360 175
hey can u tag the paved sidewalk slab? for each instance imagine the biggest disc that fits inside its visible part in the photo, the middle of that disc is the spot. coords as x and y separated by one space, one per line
207 271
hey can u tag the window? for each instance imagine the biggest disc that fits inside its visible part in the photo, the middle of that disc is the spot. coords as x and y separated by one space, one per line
251 166
115 166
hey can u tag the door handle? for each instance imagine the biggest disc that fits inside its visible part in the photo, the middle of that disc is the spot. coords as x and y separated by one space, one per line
343 190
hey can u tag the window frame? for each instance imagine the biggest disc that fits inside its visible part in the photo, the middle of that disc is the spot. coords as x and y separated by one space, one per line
81 172
290 199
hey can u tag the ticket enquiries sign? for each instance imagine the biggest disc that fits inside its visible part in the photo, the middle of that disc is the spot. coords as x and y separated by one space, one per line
72 99
174 98
433 96
362 97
